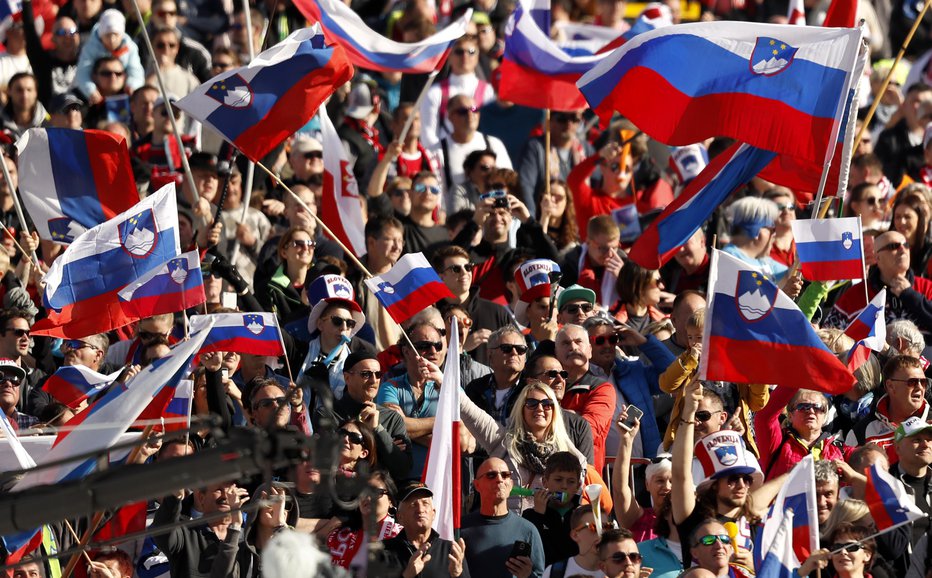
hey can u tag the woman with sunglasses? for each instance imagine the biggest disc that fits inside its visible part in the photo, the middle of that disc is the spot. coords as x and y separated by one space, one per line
640 291
535 430
283 292
866 201
912 217
889 554
374 521
848 553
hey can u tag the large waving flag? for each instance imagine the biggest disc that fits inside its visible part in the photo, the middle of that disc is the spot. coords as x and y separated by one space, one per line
82 285
754 333
340 205
779 88
829 249
255 333
175 286
887 500
72 180
408 287
72 384
696 203
258 106
779 560
368 49
442 470
535 72
796 498
101 424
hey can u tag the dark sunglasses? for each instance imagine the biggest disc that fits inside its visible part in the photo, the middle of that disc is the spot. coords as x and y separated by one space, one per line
340 322
505 475
850 547
465 110
735 478
164 13
66 31
912 381
622 557
75 345
555 373
379 492
895 245
464 51
13 378
149 335
872 201
575 308
567 118
458 269
785 207
422 188
425 346
269 402
485 168
703 415
313 155
533 403
710 539
366 374
601 339
352 436
805 406
18 332
164 45
110 73
593 528
508 349
303 243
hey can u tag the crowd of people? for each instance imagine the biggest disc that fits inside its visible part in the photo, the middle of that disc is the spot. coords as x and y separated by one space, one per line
590 447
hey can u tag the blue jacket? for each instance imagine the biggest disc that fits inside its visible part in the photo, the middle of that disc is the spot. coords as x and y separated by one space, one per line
658 555
638 382
94 49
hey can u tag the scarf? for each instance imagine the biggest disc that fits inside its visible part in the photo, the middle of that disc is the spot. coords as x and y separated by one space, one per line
534 454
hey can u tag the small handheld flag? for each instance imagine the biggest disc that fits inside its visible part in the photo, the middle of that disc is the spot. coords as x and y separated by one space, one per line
72 384
887 500
255 333
409 287
829 249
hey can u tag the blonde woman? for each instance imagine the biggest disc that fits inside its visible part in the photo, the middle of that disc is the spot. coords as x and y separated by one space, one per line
534 431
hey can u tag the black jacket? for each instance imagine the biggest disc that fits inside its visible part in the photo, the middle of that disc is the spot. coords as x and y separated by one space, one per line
439 564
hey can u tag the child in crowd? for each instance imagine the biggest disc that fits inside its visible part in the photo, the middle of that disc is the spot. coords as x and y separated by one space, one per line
586 535
552 511
108 39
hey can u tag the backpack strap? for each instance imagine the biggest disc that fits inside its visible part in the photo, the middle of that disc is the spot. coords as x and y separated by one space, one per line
558 570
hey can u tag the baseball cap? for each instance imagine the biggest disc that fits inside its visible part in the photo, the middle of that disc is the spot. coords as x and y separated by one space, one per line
413 487
306 144
7 365
575 293
910 427
64 101
359 104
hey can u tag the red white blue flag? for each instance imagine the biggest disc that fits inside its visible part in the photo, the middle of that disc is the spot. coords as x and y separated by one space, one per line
340 205
779 88
869 331
829 249
175 286
409 286
887 500
797 497
255 333
258 106
778 558
83 284
72 384
10 8
368 49
22 543
754 333
73 180
796 13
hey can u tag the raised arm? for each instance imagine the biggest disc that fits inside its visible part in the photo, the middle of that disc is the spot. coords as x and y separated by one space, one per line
683 496
626 507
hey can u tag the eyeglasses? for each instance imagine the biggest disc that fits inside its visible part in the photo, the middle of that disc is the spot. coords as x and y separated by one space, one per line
703 415
149 335
163 45
735 478
814 407
912 381
532 404
66 31
379 491
710 539
399 192
575 308
422 188
786 207
872 201
312 155
622 557
493 475
425 346
555 373
508 349
850 547
465 110
352 436
17 332
303 243
13 378
567 118
268 402
593 528
894 246
75 345
460 269
602 339
110 73
366 374
464 51
164 13
341 322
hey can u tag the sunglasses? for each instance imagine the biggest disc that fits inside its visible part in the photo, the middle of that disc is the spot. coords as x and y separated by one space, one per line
576 308
497 193
505 475
422 188
163 45
710 539
66 32
850 547
303 243
164 13
623 557
17 332
465 110
353 437
785 207
399 192
13 378
555 373
872 201
149 335
379 492
366 374
508 349
309 156
464 51
547 404
459 269
735 478
912 381
110 73
593 528
340 322
425 346
567 118
269 402
602 339
814 407
895 245
75 345
703 415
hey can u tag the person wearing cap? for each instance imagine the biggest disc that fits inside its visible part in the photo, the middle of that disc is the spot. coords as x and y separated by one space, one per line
913 443
15 344
305 159
363 131
419 549
575 304
362 374
108 38
11 376
66 111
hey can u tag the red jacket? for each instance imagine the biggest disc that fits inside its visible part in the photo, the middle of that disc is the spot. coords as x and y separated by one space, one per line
594 399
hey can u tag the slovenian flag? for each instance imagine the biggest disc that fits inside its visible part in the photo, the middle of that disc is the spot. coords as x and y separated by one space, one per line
175 286
754 333
779 559
779 88
829 249
869 331
72 384
410 286
256 107
887 500
254 333
796 498
73 180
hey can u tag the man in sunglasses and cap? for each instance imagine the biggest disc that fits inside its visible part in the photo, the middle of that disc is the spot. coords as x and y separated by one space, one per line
362 374
913 443
419 549
11 376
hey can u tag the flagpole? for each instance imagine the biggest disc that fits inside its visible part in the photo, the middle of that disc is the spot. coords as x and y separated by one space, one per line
547 152
76 539
168 109
35 261
867 298
886 81
884 531
417 104
18 207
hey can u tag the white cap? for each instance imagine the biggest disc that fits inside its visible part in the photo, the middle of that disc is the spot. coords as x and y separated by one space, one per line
111 21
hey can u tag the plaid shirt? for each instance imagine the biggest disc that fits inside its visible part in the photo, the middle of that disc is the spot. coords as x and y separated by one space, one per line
21 421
